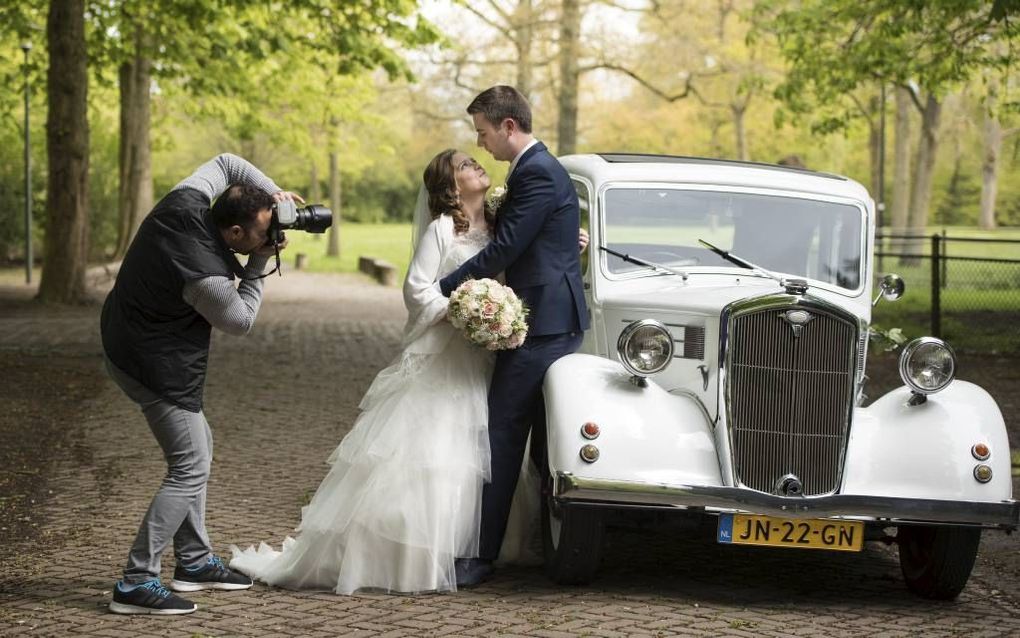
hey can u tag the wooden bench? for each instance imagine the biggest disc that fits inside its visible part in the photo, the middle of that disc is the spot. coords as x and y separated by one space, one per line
382 271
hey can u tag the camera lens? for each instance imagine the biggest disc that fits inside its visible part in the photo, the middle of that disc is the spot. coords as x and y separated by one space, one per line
313 219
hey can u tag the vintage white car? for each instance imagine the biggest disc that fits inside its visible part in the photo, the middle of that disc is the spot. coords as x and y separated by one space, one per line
723 377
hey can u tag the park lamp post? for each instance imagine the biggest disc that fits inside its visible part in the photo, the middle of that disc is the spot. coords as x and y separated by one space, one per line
26 47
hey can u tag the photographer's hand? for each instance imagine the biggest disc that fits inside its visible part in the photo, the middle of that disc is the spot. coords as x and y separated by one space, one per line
267 250
282 195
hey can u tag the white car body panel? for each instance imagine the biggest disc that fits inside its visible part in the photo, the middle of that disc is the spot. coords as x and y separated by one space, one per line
672 433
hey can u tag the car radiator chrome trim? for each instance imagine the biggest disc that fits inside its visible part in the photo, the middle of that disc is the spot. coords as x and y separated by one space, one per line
790 374
576 489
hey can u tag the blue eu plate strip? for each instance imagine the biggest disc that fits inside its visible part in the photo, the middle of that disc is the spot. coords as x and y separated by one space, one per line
725 528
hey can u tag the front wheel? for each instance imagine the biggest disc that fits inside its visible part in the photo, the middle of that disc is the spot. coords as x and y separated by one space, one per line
572 539
937 560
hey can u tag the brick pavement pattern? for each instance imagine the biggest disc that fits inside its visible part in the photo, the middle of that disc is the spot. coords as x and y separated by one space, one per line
279 401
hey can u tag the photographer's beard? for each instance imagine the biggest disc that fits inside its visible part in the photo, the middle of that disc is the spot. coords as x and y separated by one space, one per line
245 241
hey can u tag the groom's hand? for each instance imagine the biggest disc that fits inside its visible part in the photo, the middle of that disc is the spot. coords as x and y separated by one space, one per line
582 239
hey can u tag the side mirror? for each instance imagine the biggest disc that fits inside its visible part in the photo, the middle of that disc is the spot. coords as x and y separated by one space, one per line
891 288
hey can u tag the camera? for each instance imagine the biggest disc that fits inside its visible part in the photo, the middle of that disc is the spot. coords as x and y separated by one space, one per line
314 218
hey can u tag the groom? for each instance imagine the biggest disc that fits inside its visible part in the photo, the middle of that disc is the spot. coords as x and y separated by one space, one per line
535 245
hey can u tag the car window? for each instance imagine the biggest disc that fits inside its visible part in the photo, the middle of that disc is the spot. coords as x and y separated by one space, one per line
584 203
803 237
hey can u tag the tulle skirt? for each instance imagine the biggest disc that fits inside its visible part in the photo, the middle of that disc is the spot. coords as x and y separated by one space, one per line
402 497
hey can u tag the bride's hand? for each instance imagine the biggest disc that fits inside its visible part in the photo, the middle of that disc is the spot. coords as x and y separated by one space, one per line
582 239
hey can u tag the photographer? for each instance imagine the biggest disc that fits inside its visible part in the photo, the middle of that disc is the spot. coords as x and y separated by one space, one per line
175 284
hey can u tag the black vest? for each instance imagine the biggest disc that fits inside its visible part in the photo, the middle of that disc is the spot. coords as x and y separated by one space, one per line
148 330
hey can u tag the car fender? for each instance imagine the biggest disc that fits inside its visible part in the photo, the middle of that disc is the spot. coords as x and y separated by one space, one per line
924 451
647 434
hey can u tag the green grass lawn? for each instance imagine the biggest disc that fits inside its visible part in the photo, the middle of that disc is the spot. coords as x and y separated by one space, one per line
972 249
980 301
389 242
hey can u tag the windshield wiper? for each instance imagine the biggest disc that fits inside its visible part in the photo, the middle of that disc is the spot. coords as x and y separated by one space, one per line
743 263
646 264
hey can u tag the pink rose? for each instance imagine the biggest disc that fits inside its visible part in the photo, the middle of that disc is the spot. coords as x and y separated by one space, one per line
489 310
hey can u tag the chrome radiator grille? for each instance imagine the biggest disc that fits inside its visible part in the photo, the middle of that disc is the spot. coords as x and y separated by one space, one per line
789 397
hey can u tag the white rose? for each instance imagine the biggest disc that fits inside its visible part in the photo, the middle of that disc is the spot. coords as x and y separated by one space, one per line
497 293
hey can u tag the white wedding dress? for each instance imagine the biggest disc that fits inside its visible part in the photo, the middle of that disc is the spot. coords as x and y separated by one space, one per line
403 496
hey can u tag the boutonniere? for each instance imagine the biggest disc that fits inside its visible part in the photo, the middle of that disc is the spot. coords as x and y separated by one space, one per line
497 197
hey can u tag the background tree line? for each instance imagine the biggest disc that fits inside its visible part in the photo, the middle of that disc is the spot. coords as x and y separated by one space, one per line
346 101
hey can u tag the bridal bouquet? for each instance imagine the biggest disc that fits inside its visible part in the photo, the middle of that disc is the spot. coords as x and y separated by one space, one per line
489 314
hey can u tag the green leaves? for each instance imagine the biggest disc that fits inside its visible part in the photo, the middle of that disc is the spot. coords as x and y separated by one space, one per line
834 47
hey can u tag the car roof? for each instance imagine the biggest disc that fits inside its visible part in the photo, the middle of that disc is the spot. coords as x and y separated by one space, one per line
602 167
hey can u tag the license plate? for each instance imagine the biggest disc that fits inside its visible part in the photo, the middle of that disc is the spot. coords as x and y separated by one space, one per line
747 529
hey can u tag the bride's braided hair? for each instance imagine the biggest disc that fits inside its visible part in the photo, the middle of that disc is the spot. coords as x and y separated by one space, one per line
441 185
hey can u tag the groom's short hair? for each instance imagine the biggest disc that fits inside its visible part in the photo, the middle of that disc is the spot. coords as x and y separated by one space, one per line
501 102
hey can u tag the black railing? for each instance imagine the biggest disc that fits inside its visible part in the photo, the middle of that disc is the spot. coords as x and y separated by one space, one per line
963 289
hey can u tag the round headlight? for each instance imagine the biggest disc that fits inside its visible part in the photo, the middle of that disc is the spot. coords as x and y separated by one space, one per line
645 347
927 365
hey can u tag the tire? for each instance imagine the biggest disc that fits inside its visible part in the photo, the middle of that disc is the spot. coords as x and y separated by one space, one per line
937 560
572 540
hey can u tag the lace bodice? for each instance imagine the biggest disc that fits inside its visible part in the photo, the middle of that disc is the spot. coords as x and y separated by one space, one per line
463 247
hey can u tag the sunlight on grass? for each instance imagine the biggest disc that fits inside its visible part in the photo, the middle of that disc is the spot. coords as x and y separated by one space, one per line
389 242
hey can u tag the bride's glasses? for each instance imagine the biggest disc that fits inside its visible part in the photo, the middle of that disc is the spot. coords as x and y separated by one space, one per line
468 163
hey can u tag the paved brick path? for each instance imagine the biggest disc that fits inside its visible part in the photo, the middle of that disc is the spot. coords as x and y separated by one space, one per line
279 401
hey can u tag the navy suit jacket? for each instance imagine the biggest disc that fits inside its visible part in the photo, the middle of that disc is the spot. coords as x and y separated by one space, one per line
535 245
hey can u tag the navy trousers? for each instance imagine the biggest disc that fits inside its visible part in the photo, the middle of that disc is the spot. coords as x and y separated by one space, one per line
516 406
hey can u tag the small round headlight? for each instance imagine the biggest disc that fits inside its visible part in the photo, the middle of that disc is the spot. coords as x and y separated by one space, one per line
645 347
927 365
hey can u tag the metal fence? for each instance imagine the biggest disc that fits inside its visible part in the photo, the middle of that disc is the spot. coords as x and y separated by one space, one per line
964 290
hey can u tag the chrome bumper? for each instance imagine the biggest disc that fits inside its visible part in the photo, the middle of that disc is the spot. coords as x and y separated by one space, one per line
1004 514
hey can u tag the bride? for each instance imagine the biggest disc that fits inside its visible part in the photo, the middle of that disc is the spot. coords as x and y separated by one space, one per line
402 499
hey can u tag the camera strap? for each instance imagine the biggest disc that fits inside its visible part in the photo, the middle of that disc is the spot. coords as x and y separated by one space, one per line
264 275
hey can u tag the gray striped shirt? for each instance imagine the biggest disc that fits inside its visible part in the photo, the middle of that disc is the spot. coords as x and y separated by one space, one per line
232 310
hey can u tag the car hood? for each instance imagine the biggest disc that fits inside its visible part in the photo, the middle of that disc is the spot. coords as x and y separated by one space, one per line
708 294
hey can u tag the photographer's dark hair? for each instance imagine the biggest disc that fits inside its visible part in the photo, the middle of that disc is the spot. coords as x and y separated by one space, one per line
501 102
441 185
239 205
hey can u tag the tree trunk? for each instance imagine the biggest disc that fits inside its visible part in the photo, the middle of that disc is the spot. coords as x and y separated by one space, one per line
569 78
924 170
570 28
315 194
990 165
525 33
67 149
135 197
901 169
875 146
739 111
333 250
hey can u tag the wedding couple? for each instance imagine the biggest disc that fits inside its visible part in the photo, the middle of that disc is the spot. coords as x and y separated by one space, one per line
419 494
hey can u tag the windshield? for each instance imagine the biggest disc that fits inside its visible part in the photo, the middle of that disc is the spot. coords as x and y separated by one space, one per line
800 237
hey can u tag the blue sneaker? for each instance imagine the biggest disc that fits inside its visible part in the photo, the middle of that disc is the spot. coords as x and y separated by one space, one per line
213 575
149 597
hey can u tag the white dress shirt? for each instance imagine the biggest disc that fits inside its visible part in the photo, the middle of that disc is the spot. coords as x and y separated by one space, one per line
524 150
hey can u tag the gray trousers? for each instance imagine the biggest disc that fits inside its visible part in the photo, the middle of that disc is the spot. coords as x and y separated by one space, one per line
177 512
